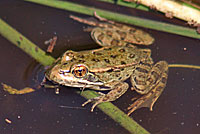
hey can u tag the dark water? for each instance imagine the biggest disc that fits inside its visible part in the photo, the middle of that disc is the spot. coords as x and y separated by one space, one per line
176 111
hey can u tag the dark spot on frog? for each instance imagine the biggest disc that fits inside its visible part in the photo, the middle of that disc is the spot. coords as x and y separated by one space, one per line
107 48
100 37
122 34
119 90
136 88
117 70
118 25
65 63
122 69
146 64
96 60
131 55
91 78
122 50
120 78
18 42
139 40
113 56
110 70
114 42
150 80
132 30
106 60
141 70
110 26
127 75
80 56
109 33
164 80
117 75
97 53
159 66
122 62
36 49
81 61
160 88
155 74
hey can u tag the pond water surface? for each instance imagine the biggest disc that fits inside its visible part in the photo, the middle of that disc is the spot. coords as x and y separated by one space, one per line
176 111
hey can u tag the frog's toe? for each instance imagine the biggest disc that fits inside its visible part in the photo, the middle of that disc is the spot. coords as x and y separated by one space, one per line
85 103
93 106
97 101
92 100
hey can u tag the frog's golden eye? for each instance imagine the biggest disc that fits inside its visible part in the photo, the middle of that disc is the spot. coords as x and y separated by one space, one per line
80 71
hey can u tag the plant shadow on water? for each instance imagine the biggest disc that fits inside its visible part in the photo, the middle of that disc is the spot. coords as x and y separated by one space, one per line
176 111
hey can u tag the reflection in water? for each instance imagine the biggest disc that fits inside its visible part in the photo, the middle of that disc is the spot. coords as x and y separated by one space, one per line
33 74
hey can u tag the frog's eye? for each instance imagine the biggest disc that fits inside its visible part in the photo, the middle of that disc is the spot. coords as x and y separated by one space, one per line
80 71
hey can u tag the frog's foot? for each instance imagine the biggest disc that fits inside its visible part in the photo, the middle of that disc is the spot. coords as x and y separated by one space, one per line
89 22
11 90
146 100
156 83
114 94
103 19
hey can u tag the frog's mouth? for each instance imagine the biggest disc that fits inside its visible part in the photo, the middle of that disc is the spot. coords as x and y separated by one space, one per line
73 81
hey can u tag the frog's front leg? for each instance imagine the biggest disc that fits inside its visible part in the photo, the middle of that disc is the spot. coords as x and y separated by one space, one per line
118 90
150 85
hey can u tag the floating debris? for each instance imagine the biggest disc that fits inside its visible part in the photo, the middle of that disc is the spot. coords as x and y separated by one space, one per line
12 90
52 43
8 121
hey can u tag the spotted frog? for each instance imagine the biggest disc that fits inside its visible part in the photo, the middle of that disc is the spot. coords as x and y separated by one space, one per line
108 67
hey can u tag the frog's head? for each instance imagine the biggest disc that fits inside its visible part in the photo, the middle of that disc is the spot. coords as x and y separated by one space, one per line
75 75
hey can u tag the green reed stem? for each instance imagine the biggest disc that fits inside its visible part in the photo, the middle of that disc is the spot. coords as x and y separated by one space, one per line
160 26
127 4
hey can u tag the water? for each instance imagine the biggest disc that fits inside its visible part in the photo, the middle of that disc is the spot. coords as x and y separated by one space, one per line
176 111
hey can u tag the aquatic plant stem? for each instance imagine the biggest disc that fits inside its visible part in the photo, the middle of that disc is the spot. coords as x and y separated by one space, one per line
38 54
183 66
160 26
26 45
127 4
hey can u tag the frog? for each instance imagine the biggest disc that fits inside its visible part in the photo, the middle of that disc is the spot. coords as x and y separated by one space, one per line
106 69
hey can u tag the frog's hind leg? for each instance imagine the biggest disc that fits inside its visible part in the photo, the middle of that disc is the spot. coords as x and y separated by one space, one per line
112 95
107 37
127 33
155 84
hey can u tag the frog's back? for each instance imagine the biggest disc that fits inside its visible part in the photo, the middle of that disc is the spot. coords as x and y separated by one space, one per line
120 59
111 56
